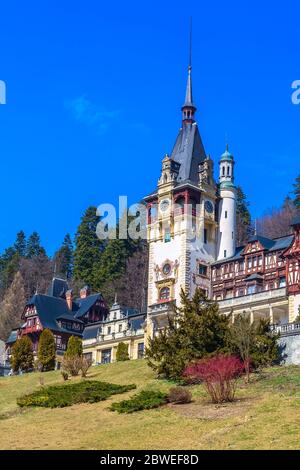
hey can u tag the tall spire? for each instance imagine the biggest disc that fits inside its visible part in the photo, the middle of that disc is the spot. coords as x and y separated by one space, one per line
188 108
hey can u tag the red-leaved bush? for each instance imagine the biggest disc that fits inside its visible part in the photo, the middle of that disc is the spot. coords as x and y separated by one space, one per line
219 375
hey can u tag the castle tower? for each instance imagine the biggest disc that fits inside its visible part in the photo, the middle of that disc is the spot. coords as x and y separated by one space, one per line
182 223
227 208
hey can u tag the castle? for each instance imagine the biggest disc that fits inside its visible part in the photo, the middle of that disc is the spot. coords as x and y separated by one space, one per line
191 232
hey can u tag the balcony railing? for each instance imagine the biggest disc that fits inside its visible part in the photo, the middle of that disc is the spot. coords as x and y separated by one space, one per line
258 297
161 307
287 329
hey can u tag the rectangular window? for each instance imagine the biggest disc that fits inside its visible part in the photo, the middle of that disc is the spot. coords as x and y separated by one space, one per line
106 356
167 236
202 270
282 282
260 260
109 330
226 214
141 348
120 328
225 253
205 235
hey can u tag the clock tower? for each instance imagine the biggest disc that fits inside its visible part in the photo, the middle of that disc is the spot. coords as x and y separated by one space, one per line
182 221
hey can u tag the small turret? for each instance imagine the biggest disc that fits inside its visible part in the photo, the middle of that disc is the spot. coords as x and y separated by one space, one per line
227 207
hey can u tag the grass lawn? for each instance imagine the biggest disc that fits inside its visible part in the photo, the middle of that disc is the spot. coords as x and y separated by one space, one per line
266 415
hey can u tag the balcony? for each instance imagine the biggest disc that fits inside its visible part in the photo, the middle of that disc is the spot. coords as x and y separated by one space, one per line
260 297
161 307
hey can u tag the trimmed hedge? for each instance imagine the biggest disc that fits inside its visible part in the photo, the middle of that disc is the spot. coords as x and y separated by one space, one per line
145 400
58 396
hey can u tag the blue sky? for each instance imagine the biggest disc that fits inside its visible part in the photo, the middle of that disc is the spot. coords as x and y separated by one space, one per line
94 91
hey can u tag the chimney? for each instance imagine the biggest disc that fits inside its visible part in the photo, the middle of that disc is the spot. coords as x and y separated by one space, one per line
84 292
69 298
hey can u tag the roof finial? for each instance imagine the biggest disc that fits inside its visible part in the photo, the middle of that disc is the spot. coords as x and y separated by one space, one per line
190 53
255 227
116 298
189 108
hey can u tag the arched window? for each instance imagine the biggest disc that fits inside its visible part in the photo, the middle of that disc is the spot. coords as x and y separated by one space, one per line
228 171
223 170
164 293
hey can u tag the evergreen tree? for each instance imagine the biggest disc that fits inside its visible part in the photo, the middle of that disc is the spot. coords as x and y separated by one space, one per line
22 355
122 352
20 244
9 265
34 247
12 306
115 256
243 217
47 350
196 330
296 193
63 258
88 248
74 348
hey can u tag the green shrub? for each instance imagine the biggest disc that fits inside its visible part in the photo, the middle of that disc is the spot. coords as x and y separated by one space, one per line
46 350
145 400
74 347
22 355
179 395
122 352
58 396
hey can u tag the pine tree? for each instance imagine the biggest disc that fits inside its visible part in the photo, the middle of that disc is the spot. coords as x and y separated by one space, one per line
22 355
196 330
47 350
20 244
74 348
243 217
63 258
34 247
88 248
12 306
297 193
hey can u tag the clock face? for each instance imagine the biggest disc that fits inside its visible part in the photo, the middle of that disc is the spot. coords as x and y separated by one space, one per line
209 207
164 205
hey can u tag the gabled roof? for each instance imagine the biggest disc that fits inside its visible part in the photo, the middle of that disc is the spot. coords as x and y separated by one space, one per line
83 305
189 152
50 309
266 243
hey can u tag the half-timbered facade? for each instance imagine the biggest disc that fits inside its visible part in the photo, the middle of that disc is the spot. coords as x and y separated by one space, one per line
60 313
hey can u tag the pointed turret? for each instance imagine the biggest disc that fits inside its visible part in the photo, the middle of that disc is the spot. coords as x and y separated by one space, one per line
188 108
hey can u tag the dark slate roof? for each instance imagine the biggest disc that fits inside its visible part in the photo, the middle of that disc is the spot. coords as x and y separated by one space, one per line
270 245
57 288
83 305
189 152
13 336
265 242
49 309
282 243
91 331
